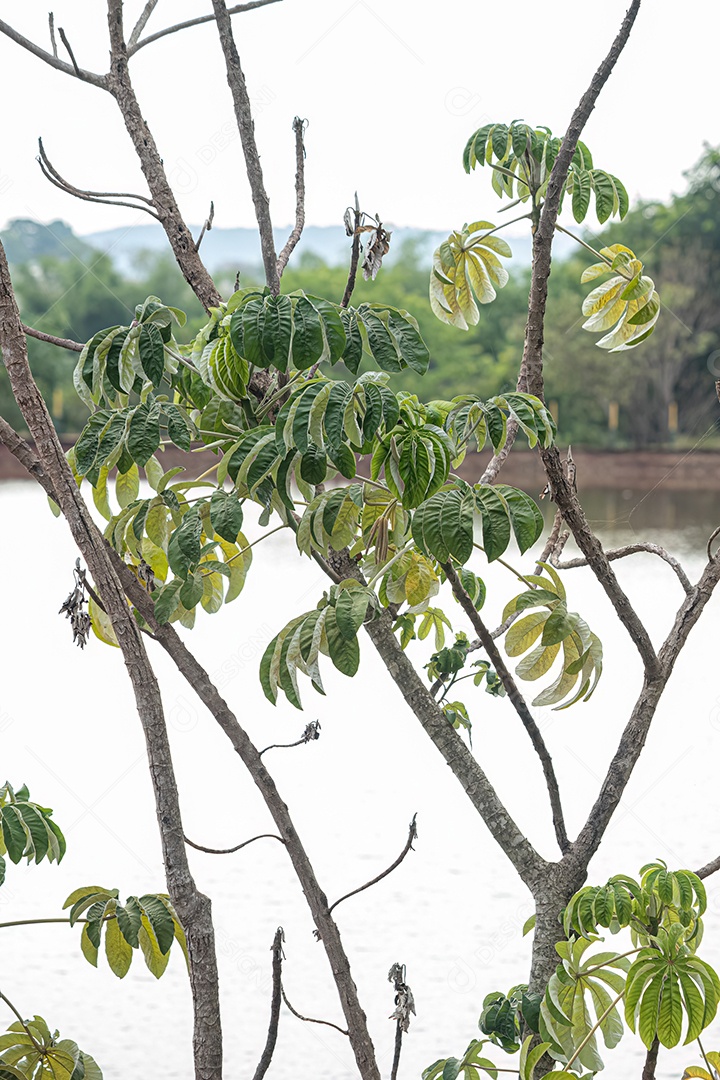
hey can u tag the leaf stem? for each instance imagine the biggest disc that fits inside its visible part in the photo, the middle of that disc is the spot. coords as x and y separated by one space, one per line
507 566
592 250
593 1029
631 952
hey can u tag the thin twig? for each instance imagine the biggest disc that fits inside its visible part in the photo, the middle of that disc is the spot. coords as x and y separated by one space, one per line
715 533
412 835
246 128
62 343
309 1019
53 42
311 732
518 702
354 256
299 127
632 549
229 850
110 198
53 60
71 54
207 225
141 23
277 959
134 46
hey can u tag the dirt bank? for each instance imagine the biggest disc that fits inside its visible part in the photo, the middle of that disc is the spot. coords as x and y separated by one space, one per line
640 471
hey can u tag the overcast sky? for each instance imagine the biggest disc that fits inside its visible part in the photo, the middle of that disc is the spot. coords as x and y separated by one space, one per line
391 89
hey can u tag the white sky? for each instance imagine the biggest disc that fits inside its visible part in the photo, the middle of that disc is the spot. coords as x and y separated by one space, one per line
391 88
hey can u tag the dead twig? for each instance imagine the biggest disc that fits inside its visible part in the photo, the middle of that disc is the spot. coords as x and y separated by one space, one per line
277 959
134 46
111 198
52 58
299 127
53 42
709 868
311 732
309 1019
230 850
71 54
207 225
412 835
633 549
404 1006
141 23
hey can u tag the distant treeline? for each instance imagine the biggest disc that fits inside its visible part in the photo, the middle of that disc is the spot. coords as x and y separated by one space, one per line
662 393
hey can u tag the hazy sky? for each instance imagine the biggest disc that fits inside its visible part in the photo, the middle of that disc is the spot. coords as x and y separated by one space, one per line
391 90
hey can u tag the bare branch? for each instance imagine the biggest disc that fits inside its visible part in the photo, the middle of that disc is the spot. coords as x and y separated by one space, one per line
246 128
179 236
277 959
53 42
207 226
141 23
24 453
61 342
309 1019
52 60
632 549
111 198
299 127
192 907
230 850
518 702
311 732
134 46
404 1005
714 534
412 835
709 868
71 54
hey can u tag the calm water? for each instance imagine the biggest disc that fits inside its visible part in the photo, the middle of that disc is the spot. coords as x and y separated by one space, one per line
454 909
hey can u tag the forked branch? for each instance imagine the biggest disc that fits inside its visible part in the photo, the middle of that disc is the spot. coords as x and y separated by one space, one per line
52 58
111 198
134 45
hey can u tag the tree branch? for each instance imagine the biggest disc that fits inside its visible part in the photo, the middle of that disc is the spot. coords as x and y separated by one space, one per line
110 198
63 343
192 907
354 253
632 549
310 734
518 702
709 868
207 226
309 1019
412 835
141 23
119 84
71 54
230 850
134 46
277 959
53 60
246 128
299 129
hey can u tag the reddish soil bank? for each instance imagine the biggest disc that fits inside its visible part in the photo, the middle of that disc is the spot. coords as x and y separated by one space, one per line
642 470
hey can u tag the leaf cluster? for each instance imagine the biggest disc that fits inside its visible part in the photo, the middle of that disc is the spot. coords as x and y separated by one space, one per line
147 923
27 830
30 1051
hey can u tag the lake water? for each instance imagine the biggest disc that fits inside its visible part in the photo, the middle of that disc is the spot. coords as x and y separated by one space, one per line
452 912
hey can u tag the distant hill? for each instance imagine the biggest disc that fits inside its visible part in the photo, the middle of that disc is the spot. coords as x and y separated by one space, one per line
235 249
25 240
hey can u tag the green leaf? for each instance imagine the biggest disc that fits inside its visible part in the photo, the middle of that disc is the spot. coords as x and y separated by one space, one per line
226 515
151 350
307 342
160 919
344 652
167 600
127 486
118 951
144 429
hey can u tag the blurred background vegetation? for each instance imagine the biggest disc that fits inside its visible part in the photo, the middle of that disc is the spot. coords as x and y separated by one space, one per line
659 395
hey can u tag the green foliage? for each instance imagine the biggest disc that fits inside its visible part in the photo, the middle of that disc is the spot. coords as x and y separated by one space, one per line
627 306
466 270
522 158
29 1051
331 628
557 628
27 830
147 923
468 1067
712 1059
503 1016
